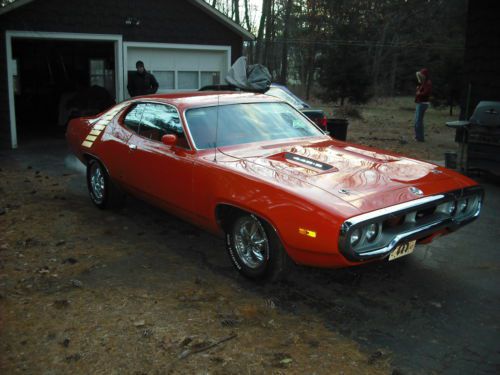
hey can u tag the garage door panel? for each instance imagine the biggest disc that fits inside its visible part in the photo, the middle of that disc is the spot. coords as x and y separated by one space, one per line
175 59
166 63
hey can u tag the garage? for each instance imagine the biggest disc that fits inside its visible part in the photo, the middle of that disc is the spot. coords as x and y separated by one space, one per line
180 68
54 77
61 60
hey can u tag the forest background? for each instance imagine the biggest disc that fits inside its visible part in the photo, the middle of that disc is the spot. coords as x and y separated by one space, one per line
354 50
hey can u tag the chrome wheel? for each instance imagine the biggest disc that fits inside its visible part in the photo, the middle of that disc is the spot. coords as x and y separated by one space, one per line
250 241
97 183
102 191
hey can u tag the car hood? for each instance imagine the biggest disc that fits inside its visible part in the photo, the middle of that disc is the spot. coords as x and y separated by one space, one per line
365 178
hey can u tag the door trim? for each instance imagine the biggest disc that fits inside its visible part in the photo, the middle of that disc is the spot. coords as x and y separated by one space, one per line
11 34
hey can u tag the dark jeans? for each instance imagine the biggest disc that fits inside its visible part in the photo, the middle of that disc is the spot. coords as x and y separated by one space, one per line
419 121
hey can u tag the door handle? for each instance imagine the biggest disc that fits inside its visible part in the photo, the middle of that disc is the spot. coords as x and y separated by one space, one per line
132 147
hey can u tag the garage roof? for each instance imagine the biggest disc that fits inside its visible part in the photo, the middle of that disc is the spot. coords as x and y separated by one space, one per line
245 34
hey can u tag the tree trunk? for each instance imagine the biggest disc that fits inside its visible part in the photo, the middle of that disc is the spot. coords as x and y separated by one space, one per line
284 51
259 51
308 85
236 10
310 70
251 44
311 49
247 17
377 59
268 35
394 69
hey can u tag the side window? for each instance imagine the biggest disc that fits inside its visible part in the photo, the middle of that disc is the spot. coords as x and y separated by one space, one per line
160 119
133 118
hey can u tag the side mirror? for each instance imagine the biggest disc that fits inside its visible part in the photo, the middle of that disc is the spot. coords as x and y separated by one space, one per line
169 139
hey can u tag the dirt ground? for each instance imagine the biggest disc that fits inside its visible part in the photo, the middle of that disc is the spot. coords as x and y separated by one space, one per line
94 292
136 291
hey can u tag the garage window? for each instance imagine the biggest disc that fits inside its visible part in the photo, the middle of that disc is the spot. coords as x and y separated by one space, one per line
100 76
187 80
97 72
165 78
210 78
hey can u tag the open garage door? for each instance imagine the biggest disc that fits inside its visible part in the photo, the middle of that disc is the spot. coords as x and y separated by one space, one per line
58 80
180 67
53 77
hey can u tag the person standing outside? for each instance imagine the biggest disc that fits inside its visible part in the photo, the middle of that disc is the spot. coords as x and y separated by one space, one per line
424 90
141 82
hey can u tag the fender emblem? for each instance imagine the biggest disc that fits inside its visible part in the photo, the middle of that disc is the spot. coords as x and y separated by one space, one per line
416 191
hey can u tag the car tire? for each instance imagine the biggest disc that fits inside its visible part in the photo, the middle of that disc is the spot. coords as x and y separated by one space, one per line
255 248
102 191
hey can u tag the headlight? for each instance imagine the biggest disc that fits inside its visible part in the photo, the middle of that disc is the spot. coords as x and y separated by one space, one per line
355 237
462 205
451 207
372 232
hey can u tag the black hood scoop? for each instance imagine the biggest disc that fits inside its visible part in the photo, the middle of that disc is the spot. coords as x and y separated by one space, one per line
307 162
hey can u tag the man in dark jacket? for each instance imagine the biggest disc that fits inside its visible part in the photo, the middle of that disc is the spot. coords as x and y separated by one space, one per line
422 96
141 82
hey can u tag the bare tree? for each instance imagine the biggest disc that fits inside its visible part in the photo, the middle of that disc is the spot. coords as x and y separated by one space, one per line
266 9
386 40
286 34
236 10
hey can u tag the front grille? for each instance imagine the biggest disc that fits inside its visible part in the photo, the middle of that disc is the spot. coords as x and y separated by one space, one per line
408 221
393 222
425 213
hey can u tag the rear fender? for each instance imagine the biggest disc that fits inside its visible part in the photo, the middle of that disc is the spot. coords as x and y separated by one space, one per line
77 131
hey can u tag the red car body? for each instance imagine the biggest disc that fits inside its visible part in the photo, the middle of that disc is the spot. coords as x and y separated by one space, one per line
312 191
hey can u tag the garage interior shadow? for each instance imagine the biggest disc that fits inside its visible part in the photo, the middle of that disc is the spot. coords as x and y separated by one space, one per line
56 80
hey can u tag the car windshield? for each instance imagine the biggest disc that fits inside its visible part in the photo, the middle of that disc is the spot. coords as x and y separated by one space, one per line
245 123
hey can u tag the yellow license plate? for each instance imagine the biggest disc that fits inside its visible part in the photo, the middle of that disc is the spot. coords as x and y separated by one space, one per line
402 250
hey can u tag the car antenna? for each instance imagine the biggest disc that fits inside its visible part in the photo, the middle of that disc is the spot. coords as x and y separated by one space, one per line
216 128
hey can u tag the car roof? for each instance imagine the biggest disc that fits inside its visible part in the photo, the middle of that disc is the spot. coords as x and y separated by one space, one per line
193 99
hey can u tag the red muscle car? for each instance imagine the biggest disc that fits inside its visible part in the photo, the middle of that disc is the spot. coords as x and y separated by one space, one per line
253 168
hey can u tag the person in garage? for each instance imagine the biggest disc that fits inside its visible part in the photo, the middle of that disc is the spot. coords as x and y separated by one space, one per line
141 82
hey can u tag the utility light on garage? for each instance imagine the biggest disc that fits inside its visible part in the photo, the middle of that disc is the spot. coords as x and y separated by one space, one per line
132 21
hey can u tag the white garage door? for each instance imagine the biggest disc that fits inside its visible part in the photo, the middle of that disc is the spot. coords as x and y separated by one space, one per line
179 69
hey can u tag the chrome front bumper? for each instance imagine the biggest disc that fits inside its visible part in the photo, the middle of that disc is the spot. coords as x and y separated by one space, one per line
418 219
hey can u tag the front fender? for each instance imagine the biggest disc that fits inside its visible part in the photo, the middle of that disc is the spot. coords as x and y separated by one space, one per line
308 226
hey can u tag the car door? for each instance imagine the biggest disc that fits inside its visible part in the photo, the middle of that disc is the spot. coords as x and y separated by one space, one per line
161 173
115 148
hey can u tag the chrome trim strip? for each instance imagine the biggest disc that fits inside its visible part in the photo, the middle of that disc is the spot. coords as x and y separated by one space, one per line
417 203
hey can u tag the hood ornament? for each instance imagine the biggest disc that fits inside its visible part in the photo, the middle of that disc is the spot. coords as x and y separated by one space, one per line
416 191
344 191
